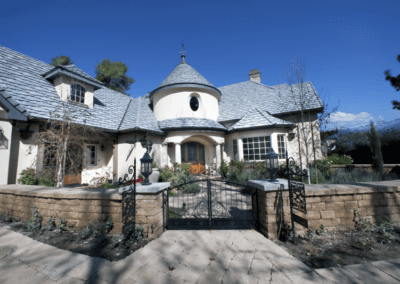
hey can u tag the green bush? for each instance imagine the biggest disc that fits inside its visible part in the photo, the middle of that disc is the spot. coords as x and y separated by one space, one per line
108 185
324 166
237 167
45 181
35 223
28 177
313 177
224 168
335 159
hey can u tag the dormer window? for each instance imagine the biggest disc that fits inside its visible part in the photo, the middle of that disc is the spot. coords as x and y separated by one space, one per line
77 93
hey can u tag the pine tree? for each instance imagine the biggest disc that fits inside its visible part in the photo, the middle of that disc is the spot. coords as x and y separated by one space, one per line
375 144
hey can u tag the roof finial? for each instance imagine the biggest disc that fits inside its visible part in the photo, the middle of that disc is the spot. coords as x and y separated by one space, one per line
183 55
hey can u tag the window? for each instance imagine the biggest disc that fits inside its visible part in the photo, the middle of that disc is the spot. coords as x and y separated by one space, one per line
91 155
49 155
281 147
77 93
234 149
256 148
194 103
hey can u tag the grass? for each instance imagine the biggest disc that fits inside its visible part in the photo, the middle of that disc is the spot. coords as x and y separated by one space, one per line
172 214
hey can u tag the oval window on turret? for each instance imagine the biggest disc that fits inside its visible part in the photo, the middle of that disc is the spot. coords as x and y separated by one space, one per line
194 103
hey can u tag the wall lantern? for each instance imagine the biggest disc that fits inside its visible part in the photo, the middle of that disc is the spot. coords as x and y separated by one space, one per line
102 148
146 166
291 135
1 134
272 163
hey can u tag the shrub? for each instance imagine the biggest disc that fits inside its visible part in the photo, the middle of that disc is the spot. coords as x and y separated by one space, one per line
51 225
237 167
27 177
375 144
45 181
108 185
35 223
139 232
313 177
342 160
224 168
324 166
62 226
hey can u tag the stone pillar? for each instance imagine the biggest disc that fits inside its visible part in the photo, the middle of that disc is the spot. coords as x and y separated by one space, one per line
218 154
178 158
164 155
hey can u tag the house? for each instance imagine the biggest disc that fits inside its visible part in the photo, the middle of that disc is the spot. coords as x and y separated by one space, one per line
186 118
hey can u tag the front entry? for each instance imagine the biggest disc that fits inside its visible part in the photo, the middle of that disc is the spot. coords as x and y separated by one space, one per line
193 154
205 204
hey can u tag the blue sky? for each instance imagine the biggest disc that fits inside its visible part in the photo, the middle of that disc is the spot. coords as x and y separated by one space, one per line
345 45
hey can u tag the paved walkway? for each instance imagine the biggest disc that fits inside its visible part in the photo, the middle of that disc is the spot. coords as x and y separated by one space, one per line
238 256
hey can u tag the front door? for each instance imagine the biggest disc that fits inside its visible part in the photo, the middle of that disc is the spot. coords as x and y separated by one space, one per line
193 154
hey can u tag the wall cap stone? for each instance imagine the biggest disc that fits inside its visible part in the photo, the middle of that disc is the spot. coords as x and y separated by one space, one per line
152 188
267 185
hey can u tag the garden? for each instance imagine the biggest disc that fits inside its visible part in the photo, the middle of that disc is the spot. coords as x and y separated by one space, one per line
95 240
365 243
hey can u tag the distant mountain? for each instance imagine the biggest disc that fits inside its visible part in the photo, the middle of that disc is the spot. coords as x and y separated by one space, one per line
379 125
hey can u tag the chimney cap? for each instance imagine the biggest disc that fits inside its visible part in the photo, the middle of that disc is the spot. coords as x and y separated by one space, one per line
254 72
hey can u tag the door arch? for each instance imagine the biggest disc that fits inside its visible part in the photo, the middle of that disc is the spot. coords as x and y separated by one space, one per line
193 153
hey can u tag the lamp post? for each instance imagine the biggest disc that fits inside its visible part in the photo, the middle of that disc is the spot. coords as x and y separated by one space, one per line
146 163
272 163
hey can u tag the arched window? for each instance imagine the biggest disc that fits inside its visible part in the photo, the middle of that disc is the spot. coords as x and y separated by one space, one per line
77 93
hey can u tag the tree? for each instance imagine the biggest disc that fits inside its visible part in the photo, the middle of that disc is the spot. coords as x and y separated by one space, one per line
61 141
61 60
395 82
113 75
375 144
300 95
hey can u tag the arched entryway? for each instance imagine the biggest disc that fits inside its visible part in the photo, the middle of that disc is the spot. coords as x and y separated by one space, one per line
193 154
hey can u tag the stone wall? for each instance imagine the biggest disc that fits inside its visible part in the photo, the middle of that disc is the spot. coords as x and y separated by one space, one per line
331 205
81 207
367 167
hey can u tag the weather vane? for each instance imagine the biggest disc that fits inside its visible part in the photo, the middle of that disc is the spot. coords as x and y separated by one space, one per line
183 54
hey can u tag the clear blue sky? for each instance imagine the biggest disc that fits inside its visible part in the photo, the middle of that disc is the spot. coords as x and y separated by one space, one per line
346 45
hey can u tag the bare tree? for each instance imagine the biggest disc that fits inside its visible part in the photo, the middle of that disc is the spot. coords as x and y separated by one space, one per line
62 138
301 93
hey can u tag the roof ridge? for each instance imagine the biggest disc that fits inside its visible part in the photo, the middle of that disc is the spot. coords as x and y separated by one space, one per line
263 115
123 118
138 112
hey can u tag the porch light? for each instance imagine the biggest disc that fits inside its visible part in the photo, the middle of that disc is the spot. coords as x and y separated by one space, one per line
1 134
146 167
291 135
272 163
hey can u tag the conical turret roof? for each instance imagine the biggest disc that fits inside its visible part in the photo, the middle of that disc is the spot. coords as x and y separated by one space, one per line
184 73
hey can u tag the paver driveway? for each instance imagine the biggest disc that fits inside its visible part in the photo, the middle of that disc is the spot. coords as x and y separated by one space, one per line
231 256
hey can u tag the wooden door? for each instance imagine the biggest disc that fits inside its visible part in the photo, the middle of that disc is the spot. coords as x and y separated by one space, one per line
193 154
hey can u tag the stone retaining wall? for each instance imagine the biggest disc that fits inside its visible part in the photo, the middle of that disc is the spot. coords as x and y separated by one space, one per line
331 205
81 207
367 167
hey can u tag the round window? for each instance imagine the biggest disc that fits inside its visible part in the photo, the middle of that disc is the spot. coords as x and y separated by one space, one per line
194 103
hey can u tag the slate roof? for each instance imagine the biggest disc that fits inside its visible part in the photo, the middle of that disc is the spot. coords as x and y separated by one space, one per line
139 116
20 76
191 123
257 118
238 99
31 95
184 73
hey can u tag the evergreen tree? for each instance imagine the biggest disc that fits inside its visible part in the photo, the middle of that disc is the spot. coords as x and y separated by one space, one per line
395 82
375 144
113 75
61 60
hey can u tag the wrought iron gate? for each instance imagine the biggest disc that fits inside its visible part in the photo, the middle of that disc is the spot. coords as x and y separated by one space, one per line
210 204
297 195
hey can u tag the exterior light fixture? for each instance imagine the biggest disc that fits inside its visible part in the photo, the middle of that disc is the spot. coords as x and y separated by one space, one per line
291 135
102 148
272 163
146 167
1 134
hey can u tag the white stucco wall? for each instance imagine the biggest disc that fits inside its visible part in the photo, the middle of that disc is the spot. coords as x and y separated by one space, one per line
63 87
128 152
175 103
5 148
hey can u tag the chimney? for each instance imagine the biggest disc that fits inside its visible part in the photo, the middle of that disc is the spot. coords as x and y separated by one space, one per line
255 76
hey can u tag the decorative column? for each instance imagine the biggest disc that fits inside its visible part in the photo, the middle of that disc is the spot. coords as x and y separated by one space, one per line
240 149
223 151
178 158
218 154
164 155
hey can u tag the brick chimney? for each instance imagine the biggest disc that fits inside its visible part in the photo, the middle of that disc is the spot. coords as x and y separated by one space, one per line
255 76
